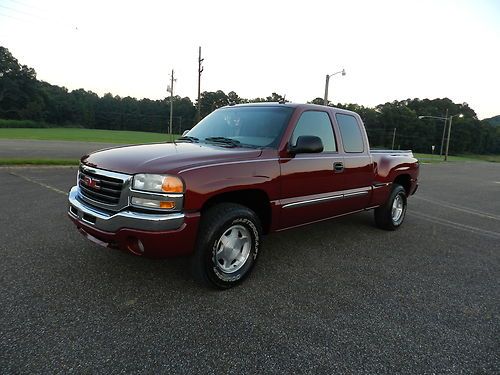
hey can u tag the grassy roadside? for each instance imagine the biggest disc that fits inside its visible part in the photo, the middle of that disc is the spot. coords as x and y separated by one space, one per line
84 135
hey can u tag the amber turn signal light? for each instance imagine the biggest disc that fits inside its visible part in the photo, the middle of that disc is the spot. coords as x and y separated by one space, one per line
172 184
167 205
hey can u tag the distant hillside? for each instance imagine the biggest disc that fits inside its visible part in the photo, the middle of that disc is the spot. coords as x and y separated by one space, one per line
495 121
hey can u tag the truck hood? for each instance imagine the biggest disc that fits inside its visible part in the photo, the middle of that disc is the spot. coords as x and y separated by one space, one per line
164 157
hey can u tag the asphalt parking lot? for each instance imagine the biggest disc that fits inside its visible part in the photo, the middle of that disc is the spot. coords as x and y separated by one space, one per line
336 297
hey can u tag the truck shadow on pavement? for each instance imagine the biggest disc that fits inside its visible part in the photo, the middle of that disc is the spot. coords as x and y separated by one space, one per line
296 253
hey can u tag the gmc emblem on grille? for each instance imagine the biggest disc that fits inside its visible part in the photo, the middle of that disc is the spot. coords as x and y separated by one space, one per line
91 182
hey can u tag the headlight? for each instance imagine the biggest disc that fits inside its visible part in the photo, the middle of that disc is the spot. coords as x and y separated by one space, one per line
158 183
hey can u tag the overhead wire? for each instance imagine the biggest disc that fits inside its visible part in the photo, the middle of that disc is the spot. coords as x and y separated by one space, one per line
33 17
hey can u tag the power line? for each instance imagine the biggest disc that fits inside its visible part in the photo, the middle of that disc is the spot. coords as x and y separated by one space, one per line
33 16
13 17
18 11
30 6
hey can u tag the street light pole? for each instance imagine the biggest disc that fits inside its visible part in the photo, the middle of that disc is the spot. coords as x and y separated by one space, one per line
450 118
327 83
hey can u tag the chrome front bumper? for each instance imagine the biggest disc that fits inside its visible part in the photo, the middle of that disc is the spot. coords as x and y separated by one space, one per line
124 219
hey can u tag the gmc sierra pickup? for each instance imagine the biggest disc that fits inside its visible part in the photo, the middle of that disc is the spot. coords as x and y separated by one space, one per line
241 172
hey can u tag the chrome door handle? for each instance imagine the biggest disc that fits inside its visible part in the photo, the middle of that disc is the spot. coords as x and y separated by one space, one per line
338 167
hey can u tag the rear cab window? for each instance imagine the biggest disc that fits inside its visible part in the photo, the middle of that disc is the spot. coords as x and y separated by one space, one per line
352 138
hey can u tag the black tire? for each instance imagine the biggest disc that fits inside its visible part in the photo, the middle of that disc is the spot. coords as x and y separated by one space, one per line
384 217
230 222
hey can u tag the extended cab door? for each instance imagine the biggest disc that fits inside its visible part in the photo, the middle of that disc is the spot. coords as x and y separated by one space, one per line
358 163
310 182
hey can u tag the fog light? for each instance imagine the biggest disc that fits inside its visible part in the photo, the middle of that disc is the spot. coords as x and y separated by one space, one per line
135 246
151 203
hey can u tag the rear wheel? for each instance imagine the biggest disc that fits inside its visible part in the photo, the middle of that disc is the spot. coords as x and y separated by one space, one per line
391 215
227 246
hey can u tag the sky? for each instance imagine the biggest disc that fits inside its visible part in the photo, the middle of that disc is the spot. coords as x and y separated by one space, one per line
391 50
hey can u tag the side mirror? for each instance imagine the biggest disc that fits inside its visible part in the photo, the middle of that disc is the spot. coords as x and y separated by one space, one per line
185 132
307 144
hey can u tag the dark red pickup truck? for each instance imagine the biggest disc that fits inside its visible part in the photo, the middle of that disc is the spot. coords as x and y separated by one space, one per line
243 171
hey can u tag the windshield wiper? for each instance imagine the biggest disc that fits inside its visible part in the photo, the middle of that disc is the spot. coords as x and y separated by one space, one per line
227 141
187 138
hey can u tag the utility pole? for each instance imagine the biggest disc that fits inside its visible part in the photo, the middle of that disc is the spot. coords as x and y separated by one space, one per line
171 90
200 70
393 138
444 132
448 140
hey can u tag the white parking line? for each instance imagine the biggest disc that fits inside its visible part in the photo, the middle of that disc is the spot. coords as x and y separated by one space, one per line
452 224
458 208
39 183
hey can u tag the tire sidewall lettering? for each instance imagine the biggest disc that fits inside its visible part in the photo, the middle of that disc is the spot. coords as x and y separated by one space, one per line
231 278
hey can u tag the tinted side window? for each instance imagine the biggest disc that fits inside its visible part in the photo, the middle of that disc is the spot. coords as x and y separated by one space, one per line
318 124
351 134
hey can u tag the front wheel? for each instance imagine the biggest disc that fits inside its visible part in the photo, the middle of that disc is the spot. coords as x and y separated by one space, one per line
391 215
227 247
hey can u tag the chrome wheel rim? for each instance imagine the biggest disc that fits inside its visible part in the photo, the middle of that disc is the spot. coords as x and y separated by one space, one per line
233 249
397 208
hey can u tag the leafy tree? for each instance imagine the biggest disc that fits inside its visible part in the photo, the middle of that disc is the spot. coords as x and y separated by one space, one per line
234 98
22 96
317 100
273 98
210 101
19 97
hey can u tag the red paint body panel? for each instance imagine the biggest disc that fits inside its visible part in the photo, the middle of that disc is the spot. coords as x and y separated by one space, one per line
299 189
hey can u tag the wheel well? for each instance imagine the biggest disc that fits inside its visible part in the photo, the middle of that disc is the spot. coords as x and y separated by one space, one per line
405 181
256 200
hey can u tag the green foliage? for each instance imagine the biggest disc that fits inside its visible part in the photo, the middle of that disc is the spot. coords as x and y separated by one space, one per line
495 121
210 101
19 94
273 98
85 135
468 133
23 97
22 124
429 158
318 101
15 161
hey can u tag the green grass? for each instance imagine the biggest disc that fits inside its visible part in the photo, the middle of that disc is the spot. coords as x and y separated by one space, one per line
21 161
84 135
22 124
428 158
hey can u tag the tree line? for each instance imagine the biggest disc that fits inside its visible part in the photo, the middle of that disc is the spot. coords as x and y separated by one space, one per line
24 97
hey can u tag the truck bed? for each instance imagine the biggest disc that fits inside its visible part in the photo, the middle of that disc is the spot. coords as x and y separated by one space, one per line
392 152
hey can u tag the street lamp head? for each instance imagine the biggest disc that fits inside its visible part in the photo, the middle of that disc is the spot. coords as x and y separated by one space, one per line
461 115
421 117
343 72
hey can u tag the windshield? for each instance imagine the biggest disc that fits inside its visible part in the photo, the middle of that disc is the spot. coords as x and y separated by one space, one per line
243 126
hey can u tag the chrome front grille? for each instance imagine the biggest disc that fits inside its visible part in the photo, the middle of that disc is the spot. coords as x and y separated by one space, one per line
103 188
